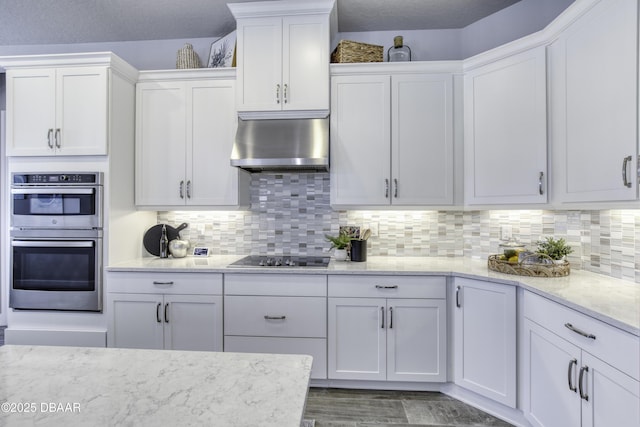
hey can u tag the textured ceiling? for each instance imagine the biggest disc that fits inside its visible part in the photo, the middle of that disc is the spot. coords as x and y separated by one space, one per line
86 21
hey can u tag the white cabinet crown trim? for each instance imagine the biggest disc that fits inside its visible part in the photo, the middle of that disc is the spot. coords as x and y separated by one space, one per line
280 8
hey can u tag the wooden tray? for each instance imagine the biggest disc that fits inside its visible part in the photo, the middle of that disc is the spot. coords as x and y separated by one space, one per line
533 270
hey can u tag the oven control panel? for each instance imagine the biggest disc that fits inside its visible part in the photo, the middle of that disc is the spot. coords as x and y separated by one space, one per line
55 178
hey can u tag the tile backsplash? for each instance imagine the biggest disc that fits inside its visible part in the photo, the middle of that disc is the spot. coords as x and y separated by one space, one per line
290 214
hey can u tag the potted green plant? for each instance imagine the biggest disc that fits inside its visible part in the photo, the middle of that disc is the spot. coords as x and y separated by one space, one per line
340 242
556 249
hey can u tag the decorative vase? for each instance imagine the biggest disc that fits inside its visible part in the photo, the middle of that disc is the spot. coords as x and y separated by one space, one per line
187 58
340 254
399 52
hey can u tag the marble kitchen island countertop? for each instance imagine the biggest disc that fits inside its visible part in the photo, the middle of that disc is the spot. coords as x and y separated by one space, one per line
614 301
77 386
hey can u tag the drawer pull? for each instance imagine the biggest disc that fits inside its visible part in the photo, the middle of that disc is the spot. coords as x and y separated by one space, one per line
386 286
158 312
155 282
583 395
267 317
572 363
578 331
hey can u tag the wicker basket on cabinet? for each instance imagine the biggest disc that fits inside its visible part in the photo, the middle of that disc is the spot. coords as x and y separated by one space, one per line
349 51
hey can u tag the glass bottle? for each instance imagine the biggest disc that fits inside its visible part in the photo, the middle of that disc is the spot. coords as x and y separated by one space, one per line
399 52
164 243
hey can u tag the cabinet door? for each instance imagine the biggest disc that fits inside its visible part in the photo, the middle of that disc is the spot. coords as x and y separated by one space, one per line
506 131
82 111
160 144
485 339
613 397
135 321
259 64
594 91
192 322
416 340
305 69
211 127
360 140
30 112
357 339
551 379
422 139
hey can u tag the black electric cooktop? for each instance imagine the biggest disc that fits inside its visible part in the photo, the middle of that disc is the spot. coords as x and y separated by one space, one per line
282 261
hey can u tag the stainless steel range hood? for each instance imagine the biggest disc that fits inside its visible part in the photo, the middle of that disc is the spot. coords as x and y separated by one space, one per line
284 144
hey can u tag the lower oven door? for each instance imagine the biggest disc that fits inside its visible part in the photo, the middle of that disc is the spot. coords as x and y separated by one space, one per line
56 274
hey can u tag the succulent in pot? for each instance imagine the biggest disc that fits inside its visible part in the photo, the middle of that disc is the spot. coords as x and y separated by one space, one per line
556 249
340 242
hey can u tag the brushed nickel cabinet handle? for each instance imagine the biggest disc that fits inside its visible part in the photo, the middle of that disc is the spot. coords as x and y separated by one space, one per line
158 312
156 282
386 188
395 188
166 315
57 138
579 331
458 296
583 394
189 189
277 94
268 317
572 363
382 313
390 317
181 189
625 162
386 286
49 141
540 183
286 97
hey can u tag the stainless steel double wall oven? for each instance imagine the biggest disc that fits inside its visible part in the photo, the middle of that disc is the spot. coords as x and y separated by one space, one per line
56 241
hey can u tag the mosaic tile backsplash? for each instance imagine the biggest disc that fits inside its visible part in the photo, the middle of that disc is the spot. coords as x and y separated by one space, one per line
290 214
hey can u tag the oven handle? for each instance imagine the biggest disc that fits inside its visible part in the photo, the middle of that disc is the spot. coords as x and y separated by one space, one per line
51 244
52 190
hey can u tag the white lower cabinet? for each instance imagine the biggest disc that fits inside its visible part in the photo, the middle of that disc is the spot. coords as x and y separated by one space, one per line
579 371
484 316
165 310
277 313
386 328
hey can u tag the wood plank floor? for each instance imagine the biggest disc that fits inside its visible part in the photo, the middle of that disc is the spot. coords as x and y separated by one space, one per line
368 408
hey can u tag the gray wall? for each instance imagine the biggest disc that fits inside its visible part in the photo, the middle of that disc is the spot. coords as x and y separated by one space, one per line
523 18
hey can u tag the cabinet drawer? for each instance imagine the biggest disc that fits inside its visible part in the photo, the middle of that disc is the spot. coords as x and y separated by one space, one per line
315 347
165 283
276 284
617 348
275 316
387 286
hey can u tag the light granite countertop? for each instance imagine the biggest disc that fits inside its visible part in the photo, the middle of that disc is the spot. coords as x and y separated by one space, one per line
614 301
74 386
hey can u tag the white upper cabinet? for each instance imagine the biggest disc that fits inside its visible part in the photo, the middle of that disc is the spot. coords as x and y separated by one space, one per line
184 133
283 55
594 114
391 136
506 130
57 111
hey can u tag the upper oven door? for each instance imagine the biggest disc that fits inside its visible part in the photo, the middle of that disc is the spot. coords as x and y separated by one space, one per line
56 207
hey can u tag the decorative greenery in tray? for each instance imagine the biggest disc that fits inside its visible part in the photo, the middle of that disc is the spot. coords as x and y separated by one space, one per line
554 249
